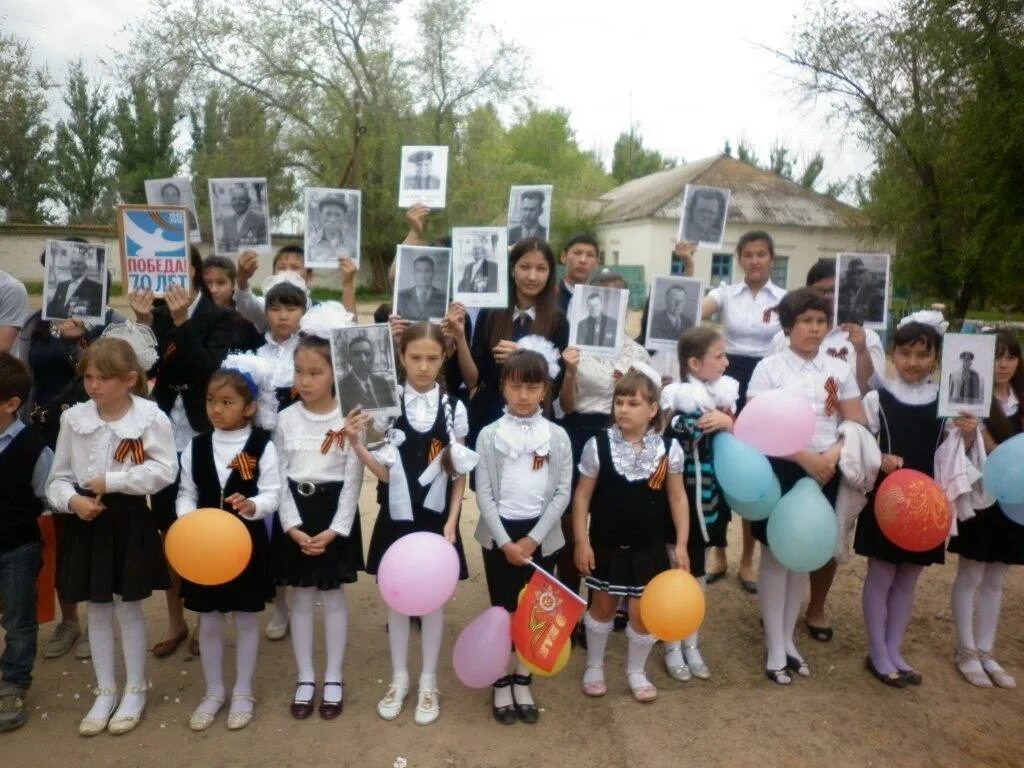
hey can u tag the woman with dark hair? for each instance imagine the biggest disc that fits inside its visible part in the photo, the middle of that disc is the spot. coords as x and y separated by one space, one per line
193 337
749 323
990 541
532 310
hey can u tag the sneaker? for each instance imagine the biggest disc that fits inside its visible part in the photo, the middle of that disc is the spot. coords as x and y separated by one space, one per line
83 650
60 642
12 707
428 708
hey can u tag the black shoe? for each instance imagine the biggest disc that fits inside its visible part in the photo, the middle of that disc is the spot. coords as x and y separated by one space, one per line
913 677
821 634
331 709
893 680
505 715
528 713
302 708
797 666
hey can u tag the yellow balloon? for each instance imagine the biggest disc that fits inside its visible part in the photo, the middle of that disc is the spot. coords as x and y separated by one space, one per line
672 606
560 662
208 546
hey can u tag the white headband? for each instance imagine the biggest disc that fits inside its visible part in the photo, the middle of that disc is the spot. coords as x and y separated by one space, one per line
545 349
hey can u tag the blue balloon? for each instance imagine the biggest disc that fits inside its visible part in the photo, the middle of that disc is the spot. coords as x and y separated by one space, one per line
802 529
1002 473
1014 511
743 472
760 509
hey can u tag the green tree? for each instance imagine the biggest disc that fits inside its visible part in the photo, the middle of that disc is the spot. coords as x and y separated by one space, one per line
144 123
81 173
631 160
25 152
934 90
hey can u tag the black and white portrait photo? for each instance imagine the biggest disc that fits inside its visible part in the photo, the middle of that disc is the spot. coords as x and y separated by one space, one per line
332 226
175 192
675 307
704 215
74 281
422 278
862 289
965 386
480 266
529 212
241 215
423 177
597 319
364 369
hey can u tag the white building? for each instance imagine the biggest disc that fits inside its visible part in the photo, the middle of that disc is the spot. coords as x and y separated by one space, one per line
638 222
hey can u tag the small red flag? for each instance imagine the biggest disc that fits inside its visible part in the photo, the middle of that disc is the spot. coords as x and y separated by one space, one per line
544 619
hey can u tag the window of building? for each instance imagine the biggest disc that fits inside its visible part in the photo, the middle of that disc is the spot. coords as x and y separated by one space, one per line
780 270
721 268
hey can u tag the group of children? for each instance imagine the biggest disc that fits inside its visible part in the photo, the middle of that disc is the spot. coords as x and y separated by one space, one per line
261 436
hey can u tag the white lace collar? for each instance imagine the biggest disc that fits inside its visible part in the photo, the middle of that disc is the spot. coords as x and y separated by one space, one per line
921 393
632 464
517 435
85 419
334 413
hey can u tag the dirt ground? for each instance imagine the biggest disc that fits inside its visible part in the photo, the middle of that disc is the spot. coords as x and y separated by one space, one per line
840 716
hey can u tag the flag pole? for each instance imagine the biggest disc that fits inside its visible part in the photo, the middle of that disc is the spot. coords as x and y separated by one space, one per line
536 567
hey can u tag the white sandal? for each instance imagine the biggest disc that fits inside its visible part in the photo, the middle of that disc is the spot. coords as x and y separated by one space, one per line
119 723
92 726
238 720
973 676
390 706
999 676
428 707
200 721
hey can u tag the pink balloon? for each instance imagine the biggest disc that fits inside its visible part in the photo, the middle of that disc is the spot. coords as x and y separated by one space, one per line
777 423
482 650
418 573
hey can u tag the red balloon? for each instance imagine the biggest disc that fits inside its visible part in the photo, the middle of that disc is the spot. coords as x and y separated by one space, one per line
912 511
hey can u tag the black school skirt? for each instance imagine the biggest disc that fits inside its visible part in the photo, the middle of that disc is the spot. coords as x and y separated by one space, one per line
342 558
249 591
116 553
387 531
789 473
989 537
625 571
506 581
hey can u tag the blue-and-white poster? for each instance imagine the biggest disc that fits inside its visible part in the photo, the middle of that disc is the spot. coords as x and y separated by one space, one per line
154 247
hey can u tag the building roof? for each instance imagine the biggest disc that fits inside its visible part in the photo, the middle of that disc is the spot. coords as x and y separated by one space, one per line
759 197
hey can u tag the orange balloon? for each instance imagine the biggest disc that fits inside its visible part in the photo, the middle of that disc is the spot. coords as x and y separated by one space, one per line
912 511
560 662
672 606
208 546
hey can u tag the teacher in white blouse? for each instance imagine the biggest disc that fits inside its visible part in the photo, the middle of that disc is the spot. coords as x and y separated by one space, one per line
586 400
748 325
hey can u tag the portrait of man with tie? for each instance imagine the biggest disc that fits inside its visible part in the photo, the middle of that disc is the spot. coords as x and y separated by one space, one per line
427 297
965 384
597 329
365 369
70 291
175 192
480 271
531 208
675 313
241 223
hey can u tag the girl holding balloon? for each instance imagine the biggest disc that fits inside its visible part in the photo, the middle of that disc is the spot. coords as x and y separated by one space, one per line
630 482
113 451
830 386
234 468
523 485
322 549
422 475
904 415
991 541
699 407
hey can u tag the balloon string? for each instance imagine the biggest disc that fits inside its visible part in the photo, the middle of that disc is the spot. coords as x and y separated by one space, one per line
579 599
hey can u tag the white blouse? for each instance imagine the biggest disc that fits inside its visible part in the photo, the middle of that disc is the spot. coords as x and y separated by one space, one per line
522 440
226 446
421 410
837 344
627 462
743 314
298 438
281 362
595 377
788 371
86 446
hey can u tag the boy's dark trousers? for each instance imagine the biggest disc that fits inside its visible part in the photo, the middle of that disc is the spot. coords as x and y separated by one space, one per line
19 568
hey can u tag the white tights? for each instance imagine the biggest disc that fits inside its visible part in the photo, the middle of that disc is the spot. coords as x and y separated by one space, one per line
977 591
211 645
780 593
133 646
432 627
301 602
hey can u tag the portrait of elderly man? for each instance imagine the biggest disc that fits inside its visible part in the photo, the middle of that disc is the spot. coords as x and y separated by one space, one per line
705 216
531 207
170 194
360 386
331 240
247 227
860 300
422 301
81 296
597 329
673 318
481 274
421 178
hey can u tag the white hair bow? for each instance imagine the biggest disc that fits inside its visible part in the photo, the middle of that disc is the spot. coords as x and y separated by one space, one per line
544 348
139 337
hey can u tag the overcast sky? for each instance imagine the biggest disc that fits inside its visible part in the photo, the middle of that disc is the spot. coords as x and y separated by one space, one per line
691 74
